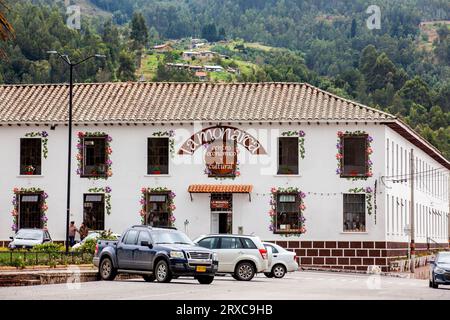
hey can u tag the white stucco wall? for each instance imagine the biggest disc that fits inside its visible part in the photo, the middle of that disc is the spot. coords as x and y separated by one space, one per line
428 199
317 178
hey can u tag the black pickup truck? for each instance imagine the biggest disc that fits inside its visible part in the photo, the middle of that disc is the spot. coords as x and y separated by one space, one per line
155 253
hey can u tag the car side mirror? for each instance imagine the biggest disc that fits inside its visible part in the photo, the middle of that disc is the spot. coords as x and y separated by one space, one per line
146 244
12 238
432 262
46 240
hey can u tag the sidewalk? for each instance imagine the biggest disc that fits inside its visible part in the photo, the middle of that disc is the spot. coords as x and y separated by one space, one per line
39 275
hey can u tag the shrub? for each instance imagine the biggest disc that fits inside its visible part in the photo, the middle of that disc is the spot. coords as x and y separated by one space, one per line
18 262
49 247
88 246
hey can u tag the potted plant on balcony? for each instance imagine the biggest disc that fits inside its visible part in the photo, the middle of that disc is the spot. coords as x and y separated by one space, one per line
155 170
29 170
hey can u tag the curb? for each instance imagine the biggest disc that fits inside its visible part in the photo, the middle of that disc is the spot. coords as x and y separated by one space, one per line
385 274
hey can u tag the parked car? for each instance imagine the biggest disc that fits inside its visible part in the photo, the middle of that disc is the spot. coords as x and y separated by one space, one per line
155 253
440 270
28 238
282 261
91 235
242 256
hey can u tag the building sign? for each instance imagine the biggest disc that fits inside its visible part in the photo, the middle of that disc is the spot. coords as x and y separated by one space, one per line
221 133
220 204
221 158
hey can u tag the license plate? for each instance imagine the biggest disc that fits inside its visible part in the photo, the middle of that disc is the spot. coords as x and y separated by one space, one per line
201 269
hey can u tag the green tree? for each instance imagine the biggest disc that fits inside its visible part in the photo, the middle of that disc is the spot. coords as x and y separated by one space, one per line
127 68
139 31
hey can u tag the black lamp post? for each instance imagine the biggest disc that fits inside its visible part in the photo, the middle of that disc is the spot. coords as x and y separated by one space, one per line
71 65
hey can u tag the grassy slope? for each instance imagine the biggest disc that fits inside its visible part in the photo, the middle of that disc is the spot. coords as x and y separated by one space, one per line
150 63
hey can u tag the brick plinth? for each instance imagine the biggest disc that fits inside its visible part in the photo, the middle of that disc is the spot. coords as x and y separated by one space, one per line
351 255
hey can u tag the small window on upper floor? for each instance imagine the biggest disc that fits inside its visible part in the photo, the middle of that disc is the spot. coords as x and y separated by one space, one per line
355 156
30 156
158 156
288 155
95 156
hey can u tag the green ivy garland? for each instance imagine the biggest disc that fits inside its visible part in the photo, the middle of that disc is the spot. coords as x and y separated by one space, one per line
44 139
340 153
107 192
273 209
171 206
368 192
15 203
82 135
301 140
169 134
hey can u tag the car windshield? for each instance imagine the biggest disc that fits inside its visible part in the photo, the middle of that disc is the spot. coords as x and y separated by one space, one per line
444 258
166 236
29 234
92 236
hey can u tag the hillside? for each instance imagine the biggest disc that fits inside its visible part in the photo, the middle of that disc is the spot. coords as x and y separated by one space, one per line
402 68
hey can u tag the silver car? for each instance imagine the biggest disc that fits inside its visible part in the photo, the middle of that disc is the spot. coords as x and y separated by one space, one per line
28 238
282 261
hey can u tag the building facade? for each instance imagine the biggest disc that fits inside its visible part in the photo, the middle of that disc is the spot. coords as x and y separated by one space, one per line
318 174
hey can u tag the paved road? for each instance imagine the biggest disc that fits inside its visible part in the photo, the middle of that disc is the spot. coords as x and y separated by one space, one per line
297 285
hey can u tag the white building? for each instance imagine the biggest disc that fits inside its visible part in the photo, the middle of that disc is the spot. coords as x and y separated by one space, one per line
289 162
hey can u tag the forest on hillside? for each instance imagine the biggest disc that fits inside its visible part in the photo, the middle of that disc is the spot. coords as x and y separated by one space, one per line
324 42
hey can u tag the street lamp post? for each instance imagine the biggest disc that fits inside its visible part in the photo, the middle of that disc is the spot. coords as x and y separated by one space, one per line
71 65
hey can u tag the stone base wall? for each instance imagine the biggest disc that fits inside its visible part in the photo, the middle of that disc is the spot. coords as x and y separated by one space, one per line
351 255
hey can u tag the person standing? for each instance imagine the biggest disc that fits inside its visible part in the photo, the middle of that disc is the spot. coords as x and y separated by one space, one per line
72 232
84 230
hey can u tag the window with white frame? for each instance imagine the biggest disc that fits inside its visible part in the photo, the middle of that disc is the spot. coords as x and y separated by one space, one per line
354 212
30 156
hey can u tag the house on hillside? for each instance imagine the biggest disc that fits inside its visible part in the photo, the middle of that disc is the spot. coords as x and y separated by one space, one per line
335 181
202 75
162 48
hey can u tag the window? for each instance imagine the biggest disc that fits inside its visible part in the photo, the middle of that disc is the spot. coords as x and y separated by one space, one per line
144 236
30 156
157 209
131 237
288 155
354 161
94 211
209 243
158 156
95 157
230 243
248 243
288 213
274 250
30 210
354 212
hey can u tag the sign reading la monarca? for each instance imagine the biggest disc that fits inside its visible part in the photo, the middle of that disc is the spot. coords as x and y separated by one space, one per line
224 133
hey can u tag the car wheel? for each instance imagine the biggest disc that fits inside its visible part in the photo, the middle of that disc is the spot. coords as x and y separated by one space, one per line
162 272
278 271
244 271
268 274
205 279
149 277
107 271
434 285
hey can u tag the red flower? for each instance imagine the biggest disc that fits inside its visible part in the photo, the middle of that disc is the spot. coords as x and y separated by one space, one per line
340 134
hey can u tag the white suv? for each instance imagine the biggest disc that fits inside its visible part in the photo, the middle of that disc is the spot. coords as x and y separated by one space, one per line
242 256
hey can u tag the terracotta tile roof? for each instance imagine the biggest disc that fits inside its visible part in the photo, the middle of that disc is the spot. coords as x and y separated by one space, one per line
179 102
220 188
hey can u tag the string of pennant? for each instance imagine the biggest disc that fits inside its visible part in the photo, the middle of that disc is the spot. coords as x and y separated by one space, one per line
322 194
